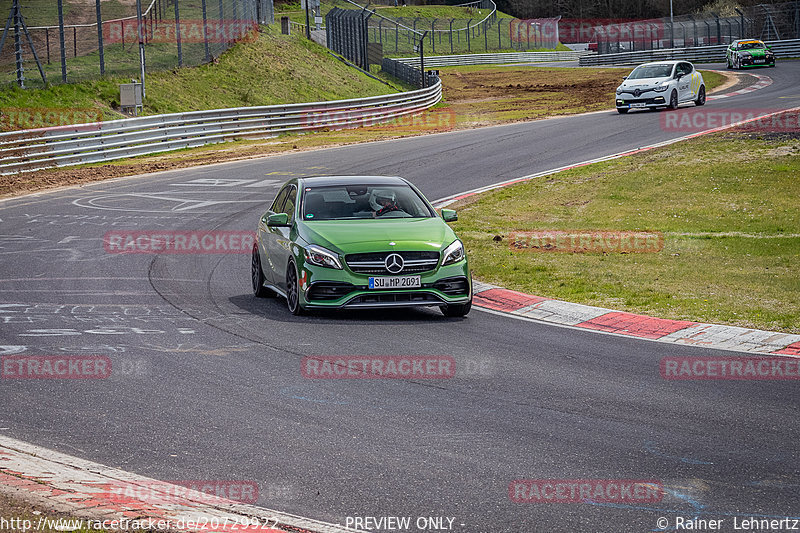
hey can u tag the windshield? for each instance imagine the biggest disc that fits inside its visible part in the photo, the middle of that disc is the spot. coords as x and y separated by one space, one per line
354 202
650 71
753 45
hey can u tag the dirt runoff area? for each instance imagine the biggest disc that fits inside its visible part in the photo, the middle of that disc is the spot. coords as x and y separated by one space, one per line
473 97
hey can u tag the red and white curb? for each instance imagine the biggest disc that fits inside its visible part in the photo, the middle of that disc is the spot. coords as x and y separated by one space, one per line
602 320
763 81
95 492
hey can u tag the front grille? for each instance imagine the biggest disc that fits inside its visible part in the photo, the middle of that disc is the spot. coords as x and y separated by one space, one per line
329 290
420 298
656 100
375 262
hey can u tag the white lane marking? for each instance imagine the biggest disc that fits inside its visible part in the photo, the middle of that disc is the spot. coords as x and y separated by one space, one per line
264 183
183 204
213 182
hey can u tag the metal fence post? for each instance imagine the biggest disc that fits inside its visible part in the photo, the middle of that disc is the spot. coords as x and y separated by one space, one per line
61 37
499 35
469 43
178 33
450 34
433 36
485 37
100 38
205 32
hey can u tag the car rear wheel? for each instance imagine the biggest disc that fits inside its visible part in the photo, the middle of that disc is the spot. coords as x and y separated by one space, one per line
457 310
621 111
293 291
701 96
673 100
257 276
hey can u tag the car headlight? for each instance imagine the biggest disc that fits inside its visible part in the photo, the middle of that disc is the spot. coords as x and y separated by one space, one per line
317 255
619 90
661 88
453 253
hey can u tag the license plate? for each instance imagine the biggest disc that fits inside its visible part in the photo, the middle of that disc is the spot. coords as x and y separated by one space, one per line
759 61
639 104
396 282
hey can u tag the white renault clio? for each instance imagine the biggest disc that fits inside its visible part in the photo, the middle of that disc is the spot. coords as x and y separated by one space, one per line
661 84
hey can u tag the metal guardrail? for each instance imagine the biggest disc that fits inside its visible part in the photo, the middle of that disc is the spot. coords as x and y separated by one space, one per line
28 150
489 59
716 53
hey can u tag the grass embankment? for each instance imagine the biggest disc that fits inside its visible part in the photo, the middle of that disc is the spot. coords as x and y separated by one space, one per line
296 14
272 69
484 95
726 204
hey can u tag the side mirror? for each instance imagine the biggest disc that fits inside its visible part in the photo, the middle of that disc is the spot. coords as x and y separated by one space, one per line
449 215
624 78
278 220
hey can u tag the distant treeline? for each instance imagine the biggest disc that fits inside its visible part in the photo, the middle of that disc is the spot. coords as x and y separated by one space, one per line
623 9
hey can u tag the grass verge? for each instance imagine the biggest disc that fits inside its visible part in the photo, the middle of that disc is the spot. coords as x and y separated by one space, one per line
726 204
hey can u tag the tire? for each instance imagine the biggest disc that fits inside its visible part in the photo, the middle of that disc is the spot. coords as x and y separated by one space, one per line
257 276
621 111
457 310
701 96
728 63
293 291
673 100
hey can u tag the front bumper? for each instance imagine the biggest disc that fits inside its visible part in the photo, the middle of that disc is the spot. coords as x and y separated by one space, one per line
646 100
327 288
749 62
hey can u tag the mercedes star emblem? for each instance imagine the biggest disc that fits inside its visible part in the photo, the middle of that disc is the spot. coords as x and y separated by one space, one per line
394 263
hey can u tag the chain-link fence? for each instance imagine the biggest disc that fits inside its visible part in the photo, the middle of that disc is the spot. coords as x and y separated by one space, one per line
78 40
366 37
763 21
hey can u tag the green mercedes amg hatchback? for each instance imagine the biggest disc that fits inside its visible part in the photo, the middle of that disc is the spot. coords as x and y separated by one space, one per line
331 242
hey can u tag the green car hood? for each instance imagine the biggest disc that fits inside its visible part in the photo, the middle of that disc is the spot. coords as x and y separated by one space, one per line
354 236
757 52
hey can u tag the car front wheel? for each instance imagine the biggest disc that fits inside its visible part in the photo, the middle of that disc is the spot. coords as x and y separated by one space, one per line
293 291
701 96
673 100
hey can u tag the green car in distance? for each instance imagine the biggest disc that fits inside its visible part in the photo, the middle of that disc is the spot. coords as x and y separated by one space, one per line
746 53
331 242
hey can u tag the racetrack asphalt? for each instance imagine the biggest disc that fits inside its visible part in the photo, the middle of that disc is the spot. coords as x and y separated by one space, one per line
207 381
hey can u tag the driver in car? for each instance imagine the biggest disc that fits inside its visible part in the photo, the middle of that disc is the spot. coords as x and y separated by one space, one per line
382 202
